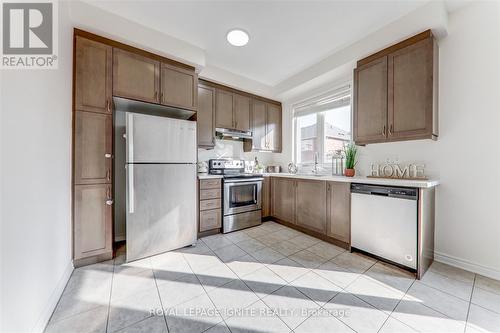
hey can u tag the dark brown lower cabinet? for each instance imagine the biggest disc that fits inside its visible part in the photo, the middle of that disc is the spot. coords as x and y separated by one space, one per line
210 206
339 211
320 207
283 199
311 205
266 197
92 220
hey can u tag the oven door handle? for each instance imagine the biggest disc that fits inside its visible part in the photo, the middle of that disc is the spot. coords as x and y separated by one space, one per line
248 180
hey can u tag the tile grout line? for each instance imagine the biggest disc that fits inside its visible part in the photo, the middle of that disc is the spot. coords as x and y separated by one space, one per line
110 293
159 295
470 302
206 293
395 307
261 299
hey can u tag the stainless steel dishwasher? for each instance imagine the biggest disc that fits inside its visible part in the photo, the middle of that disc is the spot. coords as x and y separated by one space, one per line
384 222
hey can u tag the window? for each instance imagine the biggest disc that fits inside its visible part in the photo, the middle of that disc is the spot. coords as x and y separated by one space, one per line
322 126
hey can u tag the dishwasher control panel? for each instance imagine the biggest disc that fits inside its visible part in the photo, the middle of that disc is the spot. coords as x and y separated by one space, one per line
387 191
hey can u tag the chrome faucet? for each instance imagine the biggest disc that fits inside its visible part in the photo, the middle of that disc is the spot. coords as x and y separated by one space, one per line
316 157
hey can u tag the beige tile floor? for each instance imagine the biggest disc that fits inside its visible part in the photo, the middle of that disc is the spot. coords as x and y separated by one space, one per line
272 279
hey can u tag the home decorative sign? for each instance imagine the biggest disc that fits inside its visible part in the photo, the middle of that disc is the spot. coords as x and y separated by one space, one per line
399 171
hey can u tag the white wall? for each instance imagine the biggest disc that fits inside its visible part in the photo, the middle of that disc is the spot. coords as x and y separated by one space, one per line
466 157
36 189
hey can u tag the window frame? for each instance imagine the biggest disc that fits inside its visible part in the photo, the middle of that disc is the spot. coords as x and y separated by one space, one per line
320 123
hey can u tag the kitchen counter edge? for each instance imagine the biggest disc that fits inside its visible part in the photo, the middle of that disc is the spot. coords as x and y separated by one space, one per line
207 176
424 183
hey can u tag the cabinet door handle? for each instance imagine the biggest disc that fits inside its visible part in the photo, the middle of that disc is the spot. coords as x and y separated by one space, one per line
107 155
108 175
108 193
156 95
109 202
390 130
161 97
383 131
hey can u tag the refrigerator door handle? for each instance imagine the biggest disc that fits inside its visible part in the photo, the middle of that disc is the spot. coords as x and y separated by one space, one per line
131 190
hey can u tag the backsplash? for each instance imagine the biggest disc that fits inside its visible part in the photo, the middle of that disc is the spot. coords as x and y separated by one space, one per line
233 149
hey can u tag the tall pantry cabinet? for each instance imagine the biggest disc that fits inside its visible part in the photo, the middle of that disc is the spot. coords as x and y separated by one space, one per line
92 144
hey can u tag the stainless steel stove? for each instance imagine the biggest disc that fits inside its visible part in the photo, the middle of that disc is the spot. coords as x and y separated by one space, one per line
242 203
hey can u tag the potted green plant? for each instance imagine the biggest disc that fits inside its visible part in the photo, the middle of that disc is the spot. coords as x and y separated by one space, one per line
350 151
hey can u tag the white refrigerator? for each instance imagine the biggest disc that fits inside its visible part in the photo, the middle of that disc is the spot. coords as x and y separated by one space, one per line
161 184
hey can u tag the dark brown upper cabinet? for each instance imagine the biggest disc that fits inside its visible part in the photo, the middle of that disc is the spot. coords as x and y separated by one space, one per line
273 127
135 76
259 125
93 76
93 148
266 127
224 109
178 87
206 116
411 102
395 92
232 110
370 103
241 112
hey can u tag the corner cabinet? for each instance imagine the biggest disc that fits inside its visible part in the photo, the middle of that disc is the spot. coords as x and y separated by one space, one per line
396 91
283 199
266 127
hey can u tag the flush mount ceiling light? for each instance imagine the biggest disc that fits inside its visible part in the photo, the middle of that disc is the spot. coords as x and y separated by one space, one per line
237 37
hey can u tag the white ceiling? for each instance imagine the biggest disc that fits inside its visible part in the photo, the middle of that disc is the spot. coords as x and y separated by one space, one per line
285 36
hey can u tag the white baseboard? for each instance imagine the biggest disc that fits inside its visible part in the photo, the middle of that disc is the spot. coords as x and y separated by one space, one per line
467 265
54 298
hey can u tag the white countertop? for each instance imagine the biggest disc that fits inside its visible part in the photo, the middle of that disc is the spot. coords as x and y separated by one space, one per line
363 180
207 176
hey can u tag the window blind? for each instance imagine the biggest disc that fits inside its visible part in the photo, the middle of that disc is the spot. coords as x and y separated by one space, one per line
330 100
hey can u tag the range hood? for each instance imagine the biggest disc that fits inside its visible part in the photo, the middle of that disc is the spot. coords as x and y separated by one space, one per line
130 105
233 133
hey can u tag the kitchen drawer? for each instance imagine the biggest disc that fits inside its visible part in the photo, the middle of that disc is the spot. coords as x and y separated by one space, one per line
210 219
210 194
209 204
209 184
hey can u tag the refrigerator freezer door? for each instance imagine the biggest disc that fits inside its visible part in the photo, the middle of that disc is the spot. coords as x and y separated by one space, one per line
161 208
153 139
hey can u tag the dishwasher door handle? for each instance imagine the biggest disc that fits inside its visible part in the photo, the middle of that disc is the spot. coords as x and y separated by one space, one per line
380 194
